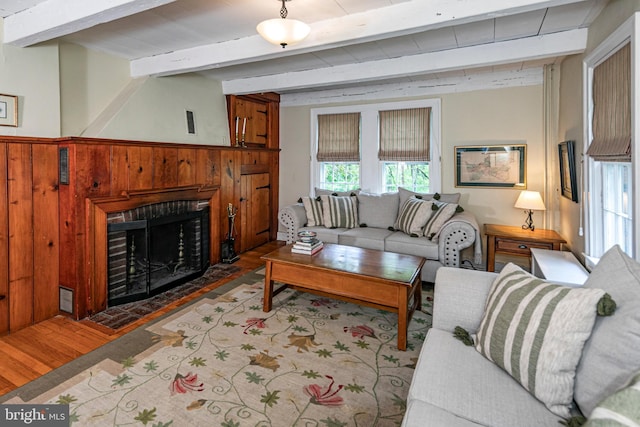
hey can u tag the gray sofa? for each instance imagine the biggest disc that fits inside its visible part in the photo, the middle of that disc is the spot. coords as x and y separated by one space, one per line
379 211
455 385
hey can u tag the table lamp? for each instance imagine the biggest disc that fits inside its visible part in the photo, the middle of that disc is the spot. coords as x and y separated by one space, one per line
529 201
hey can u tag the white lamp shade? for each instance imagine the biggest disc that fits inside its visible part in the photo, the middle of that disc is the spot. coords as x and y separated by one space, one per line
530 200
283 32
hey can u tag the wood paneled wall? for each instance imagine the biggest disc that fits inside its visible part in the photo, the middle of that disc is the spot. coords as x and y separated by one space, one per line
29 246
44 224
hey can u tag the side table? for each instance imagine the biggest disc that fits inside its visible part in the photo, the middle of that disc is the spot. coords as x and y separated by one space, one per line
510 240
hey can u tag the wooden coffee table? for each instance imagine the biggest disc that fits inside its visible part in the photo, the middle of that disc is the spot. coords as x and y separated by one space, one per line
367 277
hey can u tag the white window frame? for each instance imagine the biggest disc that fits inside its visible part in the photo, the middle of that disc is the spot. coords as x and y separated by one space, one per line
370 177
592 204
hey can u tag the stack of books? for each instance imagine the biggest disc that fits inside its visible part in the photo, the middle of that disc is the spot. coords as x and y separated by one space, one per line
309 247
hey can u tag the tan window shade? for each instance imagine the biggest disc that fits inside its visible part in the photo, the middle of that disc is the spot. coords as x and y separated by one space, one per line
404 135
612 108
339 137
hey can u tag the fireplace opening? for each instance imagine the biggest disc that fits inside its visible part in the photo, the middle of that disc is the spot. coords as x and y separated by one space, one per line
155 249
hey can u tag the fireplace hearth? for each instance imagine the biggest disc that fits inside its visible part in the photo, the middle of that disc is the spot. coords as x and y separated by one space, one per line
154 248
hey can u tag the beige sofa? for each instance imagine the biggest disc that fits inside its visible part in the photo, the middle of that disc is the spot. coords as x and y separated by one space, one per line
456 386
379 212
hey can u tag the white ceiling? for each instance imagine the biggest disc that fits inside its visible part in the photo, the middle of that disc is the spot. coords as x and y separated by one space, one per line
352 42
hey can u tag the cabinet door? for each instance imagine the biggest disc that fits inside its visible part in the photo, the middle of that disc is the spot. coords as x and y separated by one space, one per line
255 213
256 121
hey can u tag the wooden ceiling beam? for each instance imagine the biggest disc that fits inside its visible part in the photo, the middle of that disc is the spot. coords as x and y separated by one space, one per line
56 18
525 49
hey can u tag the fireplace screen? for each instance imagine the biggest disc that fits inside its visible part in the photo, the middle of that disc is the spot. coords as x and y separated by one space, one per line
149 256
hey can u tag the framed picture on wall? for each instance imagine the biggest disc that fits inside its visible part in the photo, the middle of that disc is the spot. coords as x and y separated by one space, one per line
501 166
8 110
567 161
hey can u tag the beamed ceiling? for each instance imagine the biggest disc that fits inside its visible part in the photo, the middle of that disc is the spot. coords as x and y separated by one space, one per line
353 43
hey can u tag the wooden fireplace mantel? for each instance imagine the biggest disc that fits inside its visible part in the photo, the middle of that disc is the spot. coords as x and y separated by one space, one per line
97 236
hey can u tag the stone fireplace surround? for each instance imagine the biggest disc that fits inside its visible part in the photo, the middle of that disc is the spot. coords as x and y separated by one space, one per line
99 210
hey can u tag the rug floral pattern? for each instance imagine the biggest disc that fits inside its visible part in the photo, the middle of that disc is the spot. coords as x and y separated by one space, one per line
311 361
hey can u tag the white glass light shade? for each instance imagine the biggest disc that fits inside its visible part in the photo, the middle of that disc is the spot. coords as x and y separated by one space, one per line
283 32
530 200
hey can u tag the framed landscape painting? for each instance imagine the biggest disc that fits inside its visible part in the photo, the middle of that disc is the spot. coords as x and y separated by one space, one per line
502 166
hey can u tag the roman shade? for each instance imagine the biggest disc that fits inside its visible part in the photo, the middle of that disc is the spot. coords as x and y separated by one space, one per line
339 137
404 134
612 108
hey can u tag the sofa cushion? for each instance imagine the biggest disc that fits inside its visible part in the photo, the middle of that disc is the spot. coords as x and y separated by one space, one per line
413 216
378 210
404 194
421 414
340 211
612 354
365 237
402 243
327 235
616 409
440 216
313 209
458 379
535 331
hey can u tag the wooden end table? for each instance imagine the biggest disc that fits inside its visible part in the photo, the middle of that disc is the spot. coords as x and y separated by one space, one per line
368 277
509 240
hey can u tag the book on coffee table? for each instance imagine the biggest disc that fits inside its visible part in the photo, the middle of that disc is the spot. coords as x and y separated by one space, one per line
308 248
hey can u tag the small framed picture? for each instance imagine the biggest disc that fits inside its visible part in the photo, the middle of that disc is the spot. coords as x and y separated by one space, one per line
568 181
8 110
500 166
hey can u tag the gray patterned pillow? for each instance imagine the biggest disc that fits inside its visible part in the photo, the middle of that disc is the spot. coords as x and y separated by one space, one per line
313 208
535 331
413 215
340 211
620 409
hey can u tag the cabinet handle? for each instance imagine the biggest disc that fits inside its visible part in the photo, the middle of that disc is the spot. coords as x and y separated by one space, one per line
522 247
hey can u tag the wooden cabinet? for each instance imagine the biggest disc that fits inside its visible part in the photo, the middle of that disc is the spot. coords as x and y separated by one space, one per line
259 115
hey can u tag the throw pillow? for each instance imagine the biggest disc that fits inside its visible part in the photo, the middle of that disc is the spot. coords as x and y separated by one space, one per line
340 211
447 198
442 213
313 209
378 210
612 354
620 409
413 215
535 331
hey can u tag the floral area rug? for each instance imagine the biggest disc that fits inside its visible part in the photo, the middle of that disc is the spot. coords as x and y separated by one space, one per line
311 361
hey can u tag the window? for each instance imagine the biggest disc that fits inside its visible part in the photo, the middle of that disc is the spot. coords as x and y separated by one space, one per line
398 146
608 166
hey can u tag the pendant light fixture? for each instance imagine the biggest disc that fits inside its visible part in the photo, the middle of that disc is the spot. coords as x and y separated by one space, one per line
282 31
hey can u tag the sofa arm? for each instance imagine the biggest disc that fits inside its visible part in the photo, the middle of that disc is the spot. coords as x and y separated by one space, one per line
292 217
459 233
459 298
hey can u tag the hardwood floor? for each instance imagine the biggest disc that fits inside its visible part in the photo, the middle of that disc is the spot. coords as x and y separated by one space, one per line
31 352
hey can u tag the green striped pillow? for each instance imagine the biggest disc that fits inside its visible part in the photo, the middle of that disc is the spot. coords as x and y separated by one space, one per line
442 213
535 331
620 409
313 209
413 215
340 211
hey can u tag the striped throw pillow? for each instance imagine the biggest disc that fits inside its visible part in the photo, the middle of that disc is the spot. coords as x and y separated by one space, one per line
340 211
413 215
620 409
313 208
535 331
442 213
